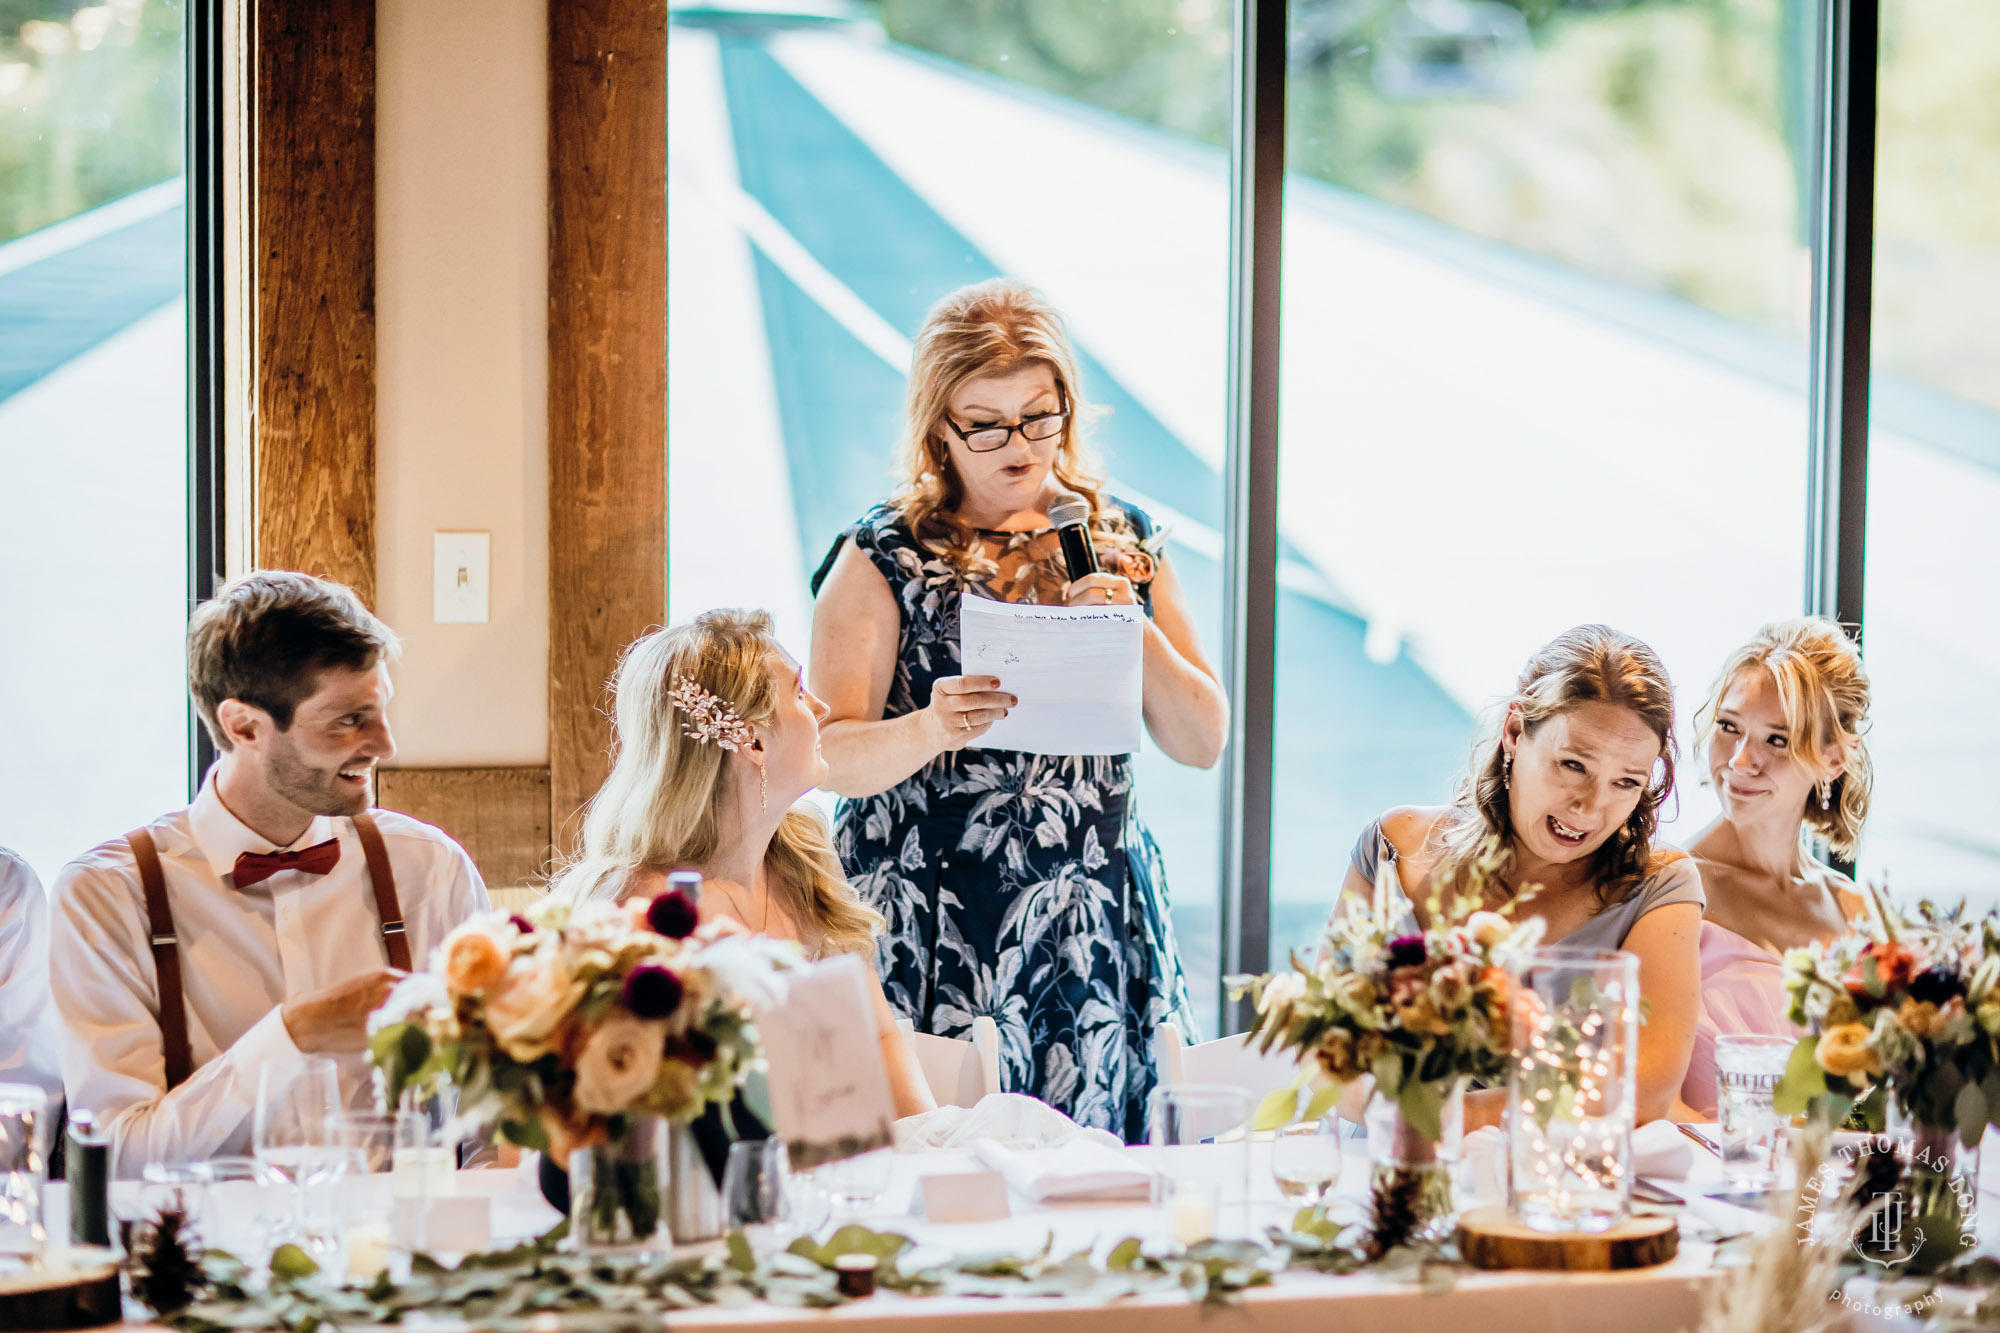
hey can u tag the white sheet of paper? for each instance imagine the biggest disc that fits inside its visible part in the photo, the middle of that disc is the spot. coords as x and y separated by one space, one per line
1077 670
829 1087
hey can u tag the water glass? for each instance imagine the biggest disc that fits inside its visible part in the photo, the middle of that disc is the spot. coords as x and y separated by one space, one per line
295 1130
1201 1195
1572 1094
856 1184
1748 1068
240 1210
1305 1161
753 1191
25 1130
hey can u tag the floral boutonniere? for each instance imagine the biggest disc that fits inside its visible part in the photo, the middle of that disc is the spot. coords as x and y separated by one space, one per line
1139 564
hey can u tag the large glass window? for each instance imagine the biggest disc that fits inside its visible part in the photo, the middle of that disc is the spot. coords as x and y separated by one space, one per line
93 434
1547 281
829 181
1933 637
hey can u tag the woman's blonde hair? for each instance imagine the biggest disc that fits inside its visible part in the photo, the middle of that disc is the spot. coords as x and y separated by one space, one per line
1588 664
989 328
1823 691
661 806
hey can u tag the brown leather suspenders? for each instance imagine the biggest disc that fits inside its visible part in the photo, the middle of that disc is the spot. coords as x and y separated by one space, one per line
166 945
394 938
166 959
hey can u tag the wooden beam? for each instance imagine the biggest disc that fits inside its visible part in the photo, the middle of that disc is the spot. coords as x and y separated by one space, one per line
315 267
607 368
499 815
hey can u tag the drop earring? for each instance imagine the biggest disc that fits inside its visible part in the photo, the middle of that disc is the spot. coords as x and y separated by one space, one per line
763 786
1506 768
1825 795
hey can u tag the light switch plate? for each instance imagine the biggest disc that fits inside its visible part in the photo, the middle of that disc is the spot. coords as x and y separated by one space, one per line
461 577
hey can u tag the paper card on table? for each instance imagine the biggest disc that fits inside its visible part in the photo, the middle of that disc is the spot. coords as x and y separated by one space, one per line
1077 670
829 1087
451 1224
965 1196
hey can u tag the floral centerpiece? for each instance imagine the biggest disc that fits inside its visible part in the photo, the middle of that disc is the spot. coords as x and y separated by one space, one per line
1910 1007
572 1027
1422 1012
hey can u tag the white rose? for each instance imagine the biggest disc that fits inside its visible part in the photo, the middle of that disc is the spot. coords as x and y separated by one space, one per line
411 998
619 1061
1488 928
1282 991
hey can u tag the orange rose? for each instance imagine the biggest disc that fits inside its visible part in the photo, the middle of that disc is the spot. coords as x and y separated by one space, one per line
1844 1051
473 961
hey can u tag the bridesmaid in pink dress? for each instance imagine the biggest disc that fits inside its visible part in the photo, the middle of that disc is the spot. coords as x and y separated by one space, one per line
1782 738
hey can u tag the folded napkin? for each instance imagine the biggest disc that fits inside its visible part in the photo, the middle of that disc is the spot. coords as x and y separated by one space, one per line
1659 1152
1079 1169
1007 1118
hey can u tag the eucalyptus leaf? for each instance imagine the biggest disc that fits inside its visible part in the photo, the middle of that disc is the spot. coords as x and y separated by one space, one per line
1803 1082
1969 1108
1322 1102
291 1262
1276 1110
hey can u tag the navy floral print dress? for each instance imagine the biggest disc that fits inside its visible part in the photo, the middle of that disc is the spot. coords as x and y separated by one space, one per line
1017 886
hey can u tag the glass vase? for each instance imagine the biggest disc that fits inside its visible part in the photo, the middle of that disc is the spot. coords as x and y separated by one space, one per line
1931 1218
1411 1175
1572 1091
615 1200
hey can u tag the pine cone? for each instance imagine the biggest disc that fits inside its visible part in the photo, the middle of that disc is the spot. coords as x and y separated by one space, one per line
166 1269
1394 1206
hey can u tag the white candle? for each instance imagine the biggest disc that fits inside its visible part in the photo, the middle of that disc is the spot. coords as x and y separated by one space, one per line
368 1246
1191 1211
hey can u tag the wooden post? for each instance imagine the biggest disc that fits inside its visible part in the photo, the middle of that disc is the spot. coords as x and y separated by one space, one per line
315 275
607 369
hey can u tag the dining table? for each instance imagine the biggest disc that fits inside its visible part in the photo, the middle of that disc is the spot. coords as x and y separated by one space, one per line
1667 1297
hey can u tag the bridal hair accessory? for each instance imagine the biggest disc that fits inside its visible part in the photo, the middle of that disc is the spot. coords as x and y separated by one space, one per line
709 719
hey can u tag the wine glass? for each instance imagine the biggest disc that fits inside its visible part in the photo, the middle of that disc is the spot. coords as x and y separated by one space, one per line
296 1134
1305 1161
753 1191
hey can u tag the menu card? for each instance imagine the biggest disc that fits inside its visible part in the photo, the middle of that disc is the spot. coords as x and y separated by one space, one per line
829 1087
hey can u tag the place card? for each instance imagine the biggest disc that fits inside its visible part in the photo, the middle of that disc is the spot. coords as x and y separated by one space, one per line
965 1196
829 1087
451 1223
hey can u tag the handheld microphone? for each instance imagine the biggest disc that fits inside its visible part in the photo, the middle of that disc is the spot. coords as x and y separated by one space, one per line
1069 514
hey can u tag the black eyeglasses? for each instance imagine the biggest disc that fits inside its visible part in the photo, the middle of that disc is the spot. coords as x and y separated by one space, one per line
1041 426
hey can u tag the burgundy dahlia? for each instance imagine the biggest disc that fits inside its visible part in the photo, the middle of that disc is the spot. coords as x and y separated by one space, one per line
1406 951
674 915
652 991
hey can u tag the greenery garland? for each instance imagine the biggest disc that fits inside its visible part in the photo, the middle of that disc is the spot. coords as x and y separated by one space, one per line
522 1288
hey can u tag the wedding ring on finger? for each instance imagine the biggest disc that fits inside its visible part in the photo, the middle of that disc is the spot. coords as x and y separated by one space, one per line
966 718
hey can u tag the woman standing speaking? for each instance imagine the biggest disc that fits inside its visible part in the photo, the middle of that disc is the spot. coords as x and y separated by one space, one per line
1024 887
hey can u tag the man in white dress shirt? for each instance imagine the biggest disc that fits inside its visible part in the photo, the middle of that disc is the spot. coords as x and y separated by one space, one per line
27 1025
263 895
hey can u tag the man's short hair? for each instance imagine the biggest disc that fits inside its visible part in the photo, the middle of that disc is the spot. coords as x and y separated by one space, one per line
264 639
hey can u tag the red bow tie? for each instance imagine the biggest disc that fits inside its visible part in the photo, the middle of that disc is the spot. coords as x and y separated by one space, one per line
256 867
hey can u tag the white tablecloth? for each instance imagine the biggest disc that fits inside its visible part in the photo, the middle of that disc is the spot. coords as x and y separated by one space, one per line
1663 1298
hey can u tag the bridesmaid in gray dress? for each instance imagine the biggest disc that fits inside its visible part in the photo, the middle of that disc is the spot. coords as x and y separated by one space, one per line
1570 779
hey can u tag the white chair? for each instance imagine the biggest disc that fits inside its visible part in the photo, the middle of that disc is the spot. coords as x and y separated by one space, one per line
959 1072
1228 1061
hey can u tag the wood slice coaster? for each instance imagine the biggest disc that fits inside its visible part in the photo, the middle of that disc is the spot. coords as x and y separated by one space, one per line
78 1290
1491 1238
